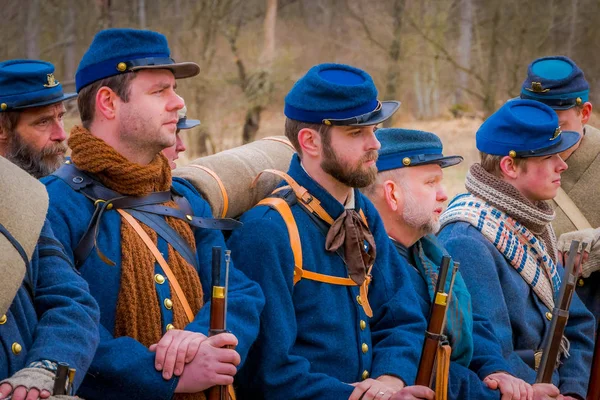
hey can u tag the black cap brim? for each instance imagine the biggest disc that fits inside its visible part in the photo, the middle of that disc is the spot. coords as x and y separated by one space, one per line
568 140
180 70
64 97
388 108
442 161
187 123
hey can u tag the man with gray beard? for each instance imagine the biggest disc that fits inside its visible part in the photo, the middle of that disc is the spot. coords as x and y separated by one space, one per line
32 133
409 196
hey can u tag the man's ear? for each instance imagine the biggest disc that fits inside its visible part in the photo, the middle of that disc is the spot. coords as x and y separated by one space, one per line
509 167
394 197
310 142
586 112
3 136
106 102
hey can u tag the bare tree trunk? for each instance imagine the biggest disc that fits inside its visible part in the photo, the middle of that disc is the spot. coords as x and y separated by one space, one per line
142 14
70 62
32 30
394 56
464 47
105 14
258 87
489 104
572 27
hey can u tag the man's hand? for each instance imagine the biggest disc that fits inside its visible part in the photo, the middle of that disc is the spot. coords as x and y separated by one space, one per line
510 387
381 388
175 349
213 365
414 393
545 391
562 258
29 384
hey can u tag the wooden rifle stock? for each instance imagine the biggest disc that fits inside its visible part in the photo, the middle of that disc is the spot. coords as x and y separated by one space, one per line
560 316
594 385
434 333
60 379
218 312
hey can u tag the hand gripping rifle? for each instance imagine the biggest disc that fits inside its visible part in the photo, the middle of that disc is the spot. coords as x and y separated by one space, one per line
218 312
434 336
560 316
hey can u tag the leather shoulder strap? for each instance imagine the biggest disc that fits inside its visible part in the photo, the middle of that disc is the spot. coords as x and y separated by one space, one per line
571 210
161 261
214 175
442 372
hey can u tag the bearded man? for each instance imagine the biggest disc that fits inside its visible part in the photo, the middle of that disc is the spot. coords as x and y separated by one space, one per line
341 318
409 195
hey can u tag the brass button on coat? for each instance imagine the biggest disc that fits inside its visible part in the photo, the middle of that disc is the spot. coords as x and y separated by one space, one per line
548 315
170 326
580 282
16 348
168 304
359 300
365 374
3 319
363 325
158 278
365 348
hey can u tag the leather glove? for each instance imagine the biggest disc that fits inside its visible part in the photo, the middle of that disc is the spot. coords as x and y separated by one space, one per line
591 236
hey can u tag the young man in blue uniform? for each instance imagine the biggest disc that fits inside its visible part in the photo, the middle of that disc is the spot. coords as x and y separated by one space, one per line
53 318
501 234
154 315
559 83
410 196
322 336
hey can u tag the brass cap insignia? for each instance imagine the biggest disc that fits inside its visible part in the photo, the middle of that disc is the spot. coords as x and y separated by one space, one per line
121 67
406 161
327 122
51 81
512 154
3 106
536 87
578 101
557 133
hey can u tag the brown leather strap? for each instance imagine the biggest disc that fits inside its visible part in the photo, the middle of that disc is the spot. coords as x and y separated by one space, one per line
161 261
442 372
571 210
312 203
221 186
283 208
280 140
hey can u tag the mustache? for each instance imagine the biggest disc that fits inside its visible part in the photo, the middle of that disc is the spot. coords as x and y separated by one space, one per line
370 156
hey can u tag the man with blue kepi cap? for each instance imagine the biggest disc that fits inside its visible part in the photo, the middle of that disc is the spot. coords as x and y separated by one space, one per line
409 196
184 123
53 318
341 318
31 116
560 83
140 238
501 233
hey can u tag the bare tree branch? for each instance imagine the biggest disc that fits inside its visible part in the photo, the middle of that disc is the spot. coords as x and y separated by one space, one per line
365 26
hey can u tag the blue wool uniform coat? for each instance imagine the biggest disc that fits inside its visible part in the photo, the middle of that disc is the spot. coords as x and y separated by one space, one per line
123 368
465 383
315 338
57 322
518 316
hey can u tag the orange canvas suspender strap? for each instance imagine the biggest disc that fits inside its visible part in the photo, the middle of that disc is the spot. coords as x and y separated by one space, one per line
280 140
442 372
219 182
283 208
161 261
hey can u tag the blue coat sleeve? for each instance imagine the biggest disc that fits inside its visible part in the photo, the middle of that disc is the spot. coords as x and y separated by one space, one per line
273 369
67 329
398 324
245 299
487 352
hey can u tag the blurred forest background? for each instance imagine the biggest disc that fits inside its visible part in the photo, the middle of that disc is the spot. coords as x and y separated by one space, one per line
450 62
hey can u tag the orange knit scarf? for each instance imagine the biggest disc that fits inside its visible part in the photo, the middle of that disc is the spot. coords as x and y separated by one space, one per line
138 309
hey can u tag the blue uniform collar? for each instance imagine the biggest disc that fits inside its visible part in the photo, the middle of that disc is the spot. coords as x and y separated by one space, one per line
333 207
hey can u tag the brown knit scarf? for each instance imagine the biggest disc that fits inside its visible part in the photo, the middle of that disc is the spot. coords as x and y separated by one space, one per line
138 309
504 196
